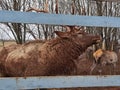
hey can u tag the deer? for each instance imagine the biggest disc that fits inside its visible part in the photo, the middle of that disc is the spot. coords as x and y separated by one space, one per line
103 58
54 57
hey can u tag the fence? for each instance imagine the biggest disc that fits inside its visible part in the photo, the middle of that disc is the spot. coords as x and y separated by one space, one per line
15 83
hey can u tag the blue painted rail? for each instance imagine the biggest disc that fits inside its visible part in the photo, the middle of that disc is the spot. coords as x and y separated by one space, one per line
58 82
58 19
15 83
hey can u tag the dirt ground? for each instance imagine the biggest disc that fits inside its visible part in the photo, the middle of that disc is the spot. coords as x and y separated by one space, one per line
84 67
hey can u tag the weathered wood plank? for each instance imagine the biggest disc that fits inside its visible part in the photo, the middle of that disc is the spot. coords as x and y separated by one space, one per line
58 19
59 82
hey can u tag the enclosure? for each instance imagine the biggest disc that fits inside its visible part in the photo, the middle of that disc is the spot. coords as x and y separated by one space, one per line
16 83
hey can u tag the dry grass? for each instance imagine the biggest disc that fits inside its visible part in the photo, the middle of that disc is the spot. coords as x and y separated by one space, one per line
6 43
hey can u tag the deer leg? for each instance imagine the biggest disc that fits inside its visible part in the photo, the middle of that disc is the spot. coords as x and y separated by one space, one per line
102 66
92 67
114 66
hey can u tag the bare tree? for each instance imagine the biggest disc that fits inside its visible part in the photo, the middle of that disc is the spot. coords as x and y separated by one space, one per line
17 30
79 7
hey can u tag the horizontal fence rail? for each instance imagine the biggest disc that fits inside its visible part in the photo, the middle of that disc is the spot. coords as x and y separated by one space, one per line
58 19
58 82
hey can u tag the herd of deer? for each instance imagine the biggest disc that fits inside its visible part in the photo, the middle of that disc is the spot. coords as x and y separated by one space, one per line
57 56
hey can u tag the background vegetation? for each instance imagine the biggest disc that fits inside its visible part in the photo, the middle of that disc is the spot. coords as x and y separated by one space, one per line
22 32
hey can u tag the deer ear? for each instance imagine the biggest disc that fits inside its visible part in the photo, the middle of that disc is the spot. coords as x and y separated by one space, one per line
62 34
68 28
77 31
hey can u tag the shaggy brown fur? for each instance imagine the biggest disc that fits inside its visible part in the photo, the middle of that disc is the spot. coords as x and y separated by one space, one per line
7 49
54 57
104 57
3 54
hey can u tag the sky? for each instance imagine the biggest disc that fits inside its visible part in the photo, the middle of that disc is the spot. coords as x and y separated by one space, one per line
6 34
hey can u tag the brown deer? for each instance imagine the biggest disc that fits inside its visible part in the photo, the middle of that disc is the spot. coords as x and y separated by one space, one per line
104 57
54 57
